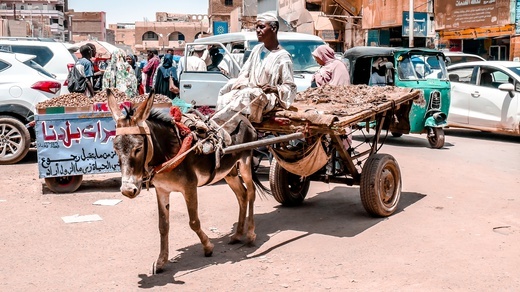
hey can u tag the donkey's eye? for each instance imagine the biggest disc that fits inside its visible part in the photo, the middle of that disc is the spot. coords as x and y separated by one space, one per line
138 150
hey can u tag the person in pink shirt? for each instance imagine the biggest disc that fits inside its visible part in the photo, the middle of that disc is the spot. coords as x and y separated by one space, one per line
332 70
150 68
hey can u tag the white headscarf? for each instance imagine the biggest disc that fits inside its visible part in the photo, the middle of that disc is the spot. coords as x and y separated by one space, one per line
267 16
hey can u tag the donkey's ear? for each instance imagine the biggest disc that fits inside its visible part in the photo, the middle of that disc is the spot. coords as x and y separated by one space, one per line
112 105
144 109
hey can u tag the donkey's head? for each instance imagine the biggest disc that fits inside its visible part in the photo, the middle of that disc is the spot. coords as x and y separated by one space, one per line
132 143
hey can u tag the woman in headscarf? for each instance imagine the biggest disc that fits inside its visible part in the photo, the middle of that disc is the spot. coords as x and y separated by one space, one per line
332 70
120 75
132 61
162 80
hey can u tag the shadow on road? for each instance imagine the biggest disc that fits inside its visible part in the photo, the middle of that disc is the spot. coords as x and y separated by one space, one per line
338 213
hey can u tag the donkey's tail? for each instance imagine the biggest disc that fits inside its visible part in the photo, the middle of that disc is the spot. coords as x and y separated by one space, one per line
260 187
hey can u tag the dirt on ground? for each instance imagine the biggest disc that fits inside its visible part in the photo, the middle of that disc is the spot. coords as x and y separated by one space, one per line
457 228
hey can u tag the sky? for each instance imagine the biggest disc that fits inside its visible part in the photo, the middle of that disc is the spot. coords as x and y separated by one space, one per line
137 10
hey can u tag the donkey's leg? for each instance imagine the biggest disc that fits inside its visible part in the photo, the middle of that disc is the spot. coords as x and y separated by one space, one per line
246 172
190 195
235 183
163 202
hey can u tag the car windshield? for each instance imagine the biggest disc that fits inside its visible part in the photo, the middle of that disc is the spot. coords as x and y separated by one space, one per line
301 53
515 69
421 66
38 68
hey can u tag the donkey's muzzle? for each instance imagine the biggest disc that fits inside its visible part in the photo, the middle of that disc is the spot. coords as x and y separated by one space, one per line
130 190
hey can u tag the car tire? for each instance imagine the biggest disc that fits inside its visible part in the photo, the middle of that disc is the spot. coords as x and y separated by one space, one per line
15 140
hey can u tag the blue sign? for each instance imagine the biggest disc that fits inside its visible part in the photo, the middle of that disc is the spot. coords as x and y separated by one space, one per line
220 27
517 17
420 24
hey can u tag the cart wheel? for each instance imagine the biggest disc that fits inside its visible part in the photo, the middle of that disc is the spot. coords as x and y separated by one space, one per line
15 140
397 135
288 189
380 186
436 137
64 184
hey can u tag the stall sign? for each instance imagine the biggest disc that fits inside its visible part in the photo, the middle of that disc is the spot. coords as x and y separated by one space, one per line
75 146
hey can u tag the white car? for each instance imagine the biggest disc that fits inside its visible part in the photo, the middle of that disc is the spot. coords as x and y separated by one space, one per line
53 56
484 96
23 83
460 57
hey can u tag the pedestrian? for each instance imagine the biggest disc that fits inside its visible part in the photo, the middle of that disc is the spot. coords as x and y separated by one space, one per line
132 61
85 67
332 70
150 69
98 69
162 82
120 75
195 61
266 80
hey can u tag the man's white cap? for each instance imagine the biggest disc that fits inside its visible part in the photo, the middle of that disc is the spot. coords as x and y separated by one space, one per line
199 48
267 16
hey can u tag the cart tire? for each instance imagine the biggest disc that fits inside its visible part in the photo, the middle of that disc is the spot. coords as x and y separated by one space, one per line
15 140
380 187
64 184
397 135
288 189
437 140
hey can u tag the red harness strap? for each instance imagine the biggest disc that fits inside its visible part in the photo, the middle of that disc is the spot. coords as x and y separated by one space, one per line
187 139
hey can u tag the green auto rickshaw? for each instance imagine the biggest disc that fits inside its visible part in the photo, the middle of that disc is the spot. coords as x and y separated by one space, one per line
416 68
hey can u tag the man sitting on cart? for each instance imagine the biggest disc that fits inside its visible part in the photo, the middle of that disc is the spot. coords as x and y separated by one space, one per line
266 79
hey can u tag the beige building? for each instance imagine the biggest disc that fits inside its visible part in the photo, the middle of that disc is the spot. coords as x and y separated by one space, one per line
43 18
88 26
169 31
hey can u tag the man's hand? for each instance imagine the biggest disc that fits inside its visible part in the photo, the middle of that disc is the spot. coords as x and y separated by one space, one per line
269 89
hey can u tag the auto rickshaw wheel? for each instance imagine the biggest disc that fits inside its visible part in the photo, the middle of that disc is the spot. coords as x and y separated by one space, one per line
436 137
380 186
288 189
64 184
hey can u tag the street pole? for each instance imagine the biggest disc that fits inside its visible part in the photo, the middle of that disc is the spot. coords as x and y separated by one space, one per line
410 25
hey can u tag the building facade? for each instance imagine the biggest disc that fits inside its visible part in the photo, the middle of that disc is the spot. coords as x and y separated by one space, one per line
88 26
169 31
43 18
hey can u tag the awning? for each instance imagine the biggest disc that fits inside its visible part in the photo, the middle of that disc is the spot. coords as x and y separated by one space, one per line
325 27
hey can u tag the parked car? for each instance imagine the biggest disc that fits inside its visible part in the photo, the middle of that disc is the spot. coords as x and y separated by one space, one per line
460 57
23 83
53 56
484 96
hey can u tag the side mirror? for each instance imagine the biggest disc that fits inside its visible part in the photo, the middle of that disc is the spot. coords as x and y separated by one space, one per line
510 88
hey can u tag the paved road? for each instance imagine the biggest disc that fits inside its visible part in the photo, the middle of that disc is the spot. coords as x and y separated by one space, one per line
457 228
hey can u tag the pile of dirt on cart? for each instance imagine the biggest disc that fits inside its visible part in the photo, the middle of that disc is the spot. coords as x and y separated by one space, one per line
81 100
348 100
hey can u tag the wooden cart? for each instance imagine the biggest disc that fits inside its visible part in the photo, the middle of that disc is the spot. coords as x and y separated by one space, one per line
297 130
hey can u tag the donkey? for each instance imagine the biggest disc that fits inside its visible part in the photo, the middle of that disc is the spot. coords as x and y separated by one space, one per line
146 138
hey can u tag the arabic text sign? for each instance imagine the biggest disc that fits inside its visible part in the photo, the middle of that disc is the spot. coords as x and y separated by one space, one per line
420 24
463 14
74 146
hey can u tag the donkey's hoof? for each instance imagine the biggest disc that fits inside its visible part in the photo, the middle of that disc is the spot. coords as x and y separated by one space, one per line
208 251
156 269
